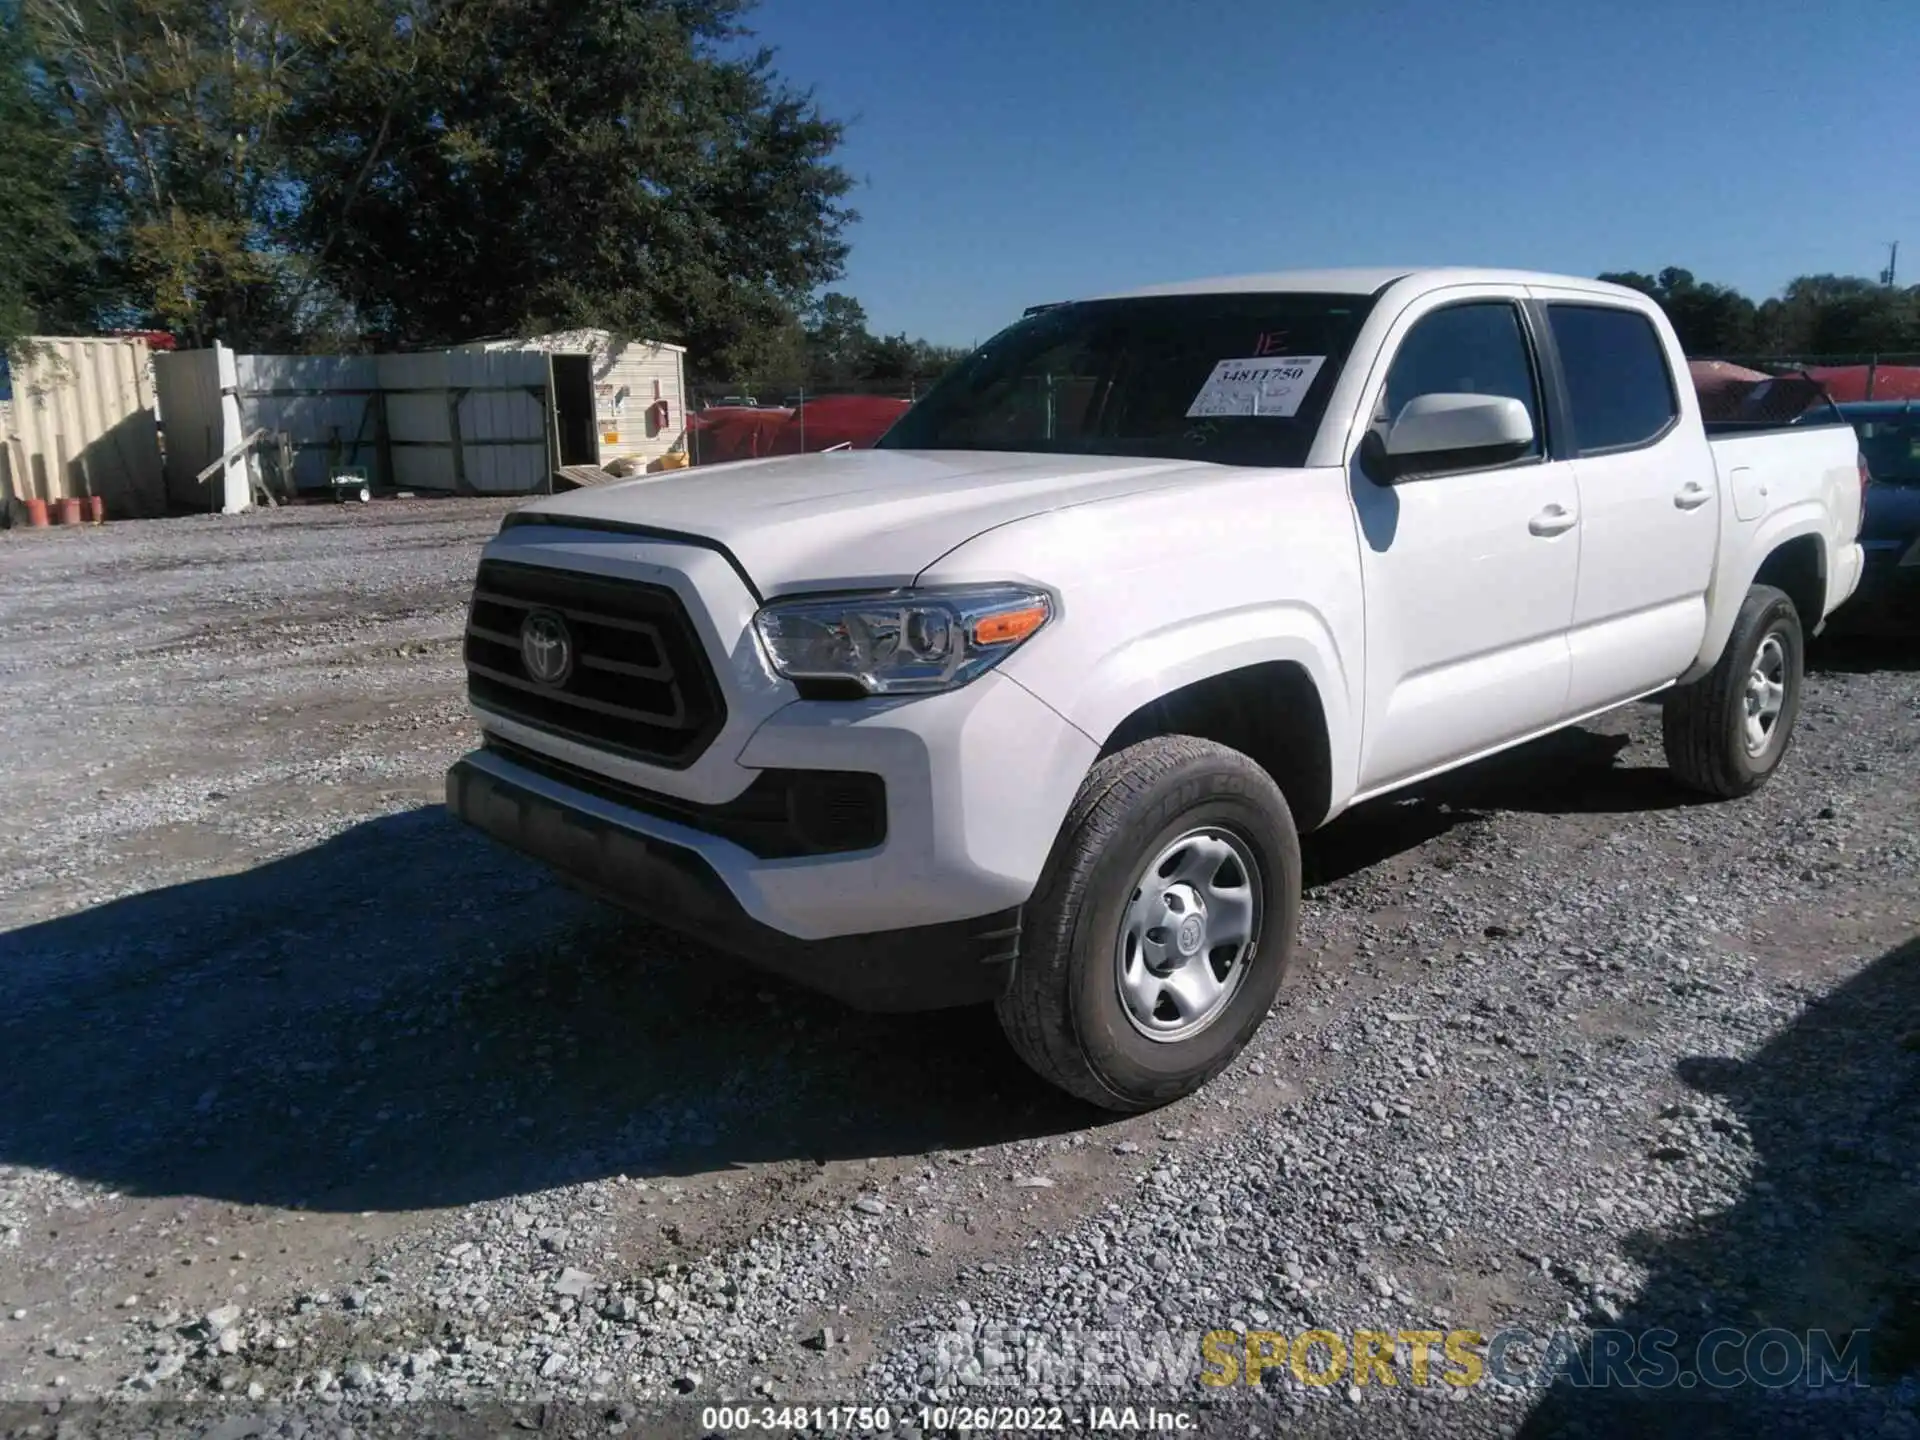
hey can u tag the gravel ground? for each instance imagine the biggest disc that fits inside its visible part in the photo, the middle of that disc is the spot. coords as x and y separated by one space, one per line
320 1107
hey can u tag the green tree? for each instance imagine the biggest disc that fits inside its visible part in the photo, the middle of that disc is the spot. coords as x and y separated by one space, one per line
841 352
508 166
174 110
932 361
891 360
1833 316
1709 319
1841 315
837 340
39 248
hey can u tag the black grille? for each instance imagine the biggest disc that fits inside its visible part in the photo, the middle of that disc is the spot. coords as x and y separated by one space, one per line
640 683
782 814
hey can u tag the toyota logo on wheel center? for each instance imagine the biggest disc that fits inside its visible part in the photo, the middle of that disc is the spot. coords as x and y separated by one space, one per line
546 648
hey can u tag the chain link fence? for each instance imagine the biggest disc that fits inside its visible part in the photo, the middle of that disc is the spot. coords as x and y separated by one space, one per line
1847 378
747 420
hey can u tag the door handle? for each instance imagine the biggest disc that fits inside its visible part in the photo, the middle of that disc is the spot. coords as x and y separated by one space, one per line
1693 495
1554 520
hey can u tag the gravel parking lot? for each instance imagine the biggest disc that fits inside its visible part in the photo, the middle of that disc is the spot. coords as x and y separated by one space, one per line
313 1098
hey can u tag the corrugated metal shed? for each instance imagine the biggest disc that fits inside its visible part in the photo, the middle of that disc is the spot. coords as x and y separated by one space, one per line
630 378
83 424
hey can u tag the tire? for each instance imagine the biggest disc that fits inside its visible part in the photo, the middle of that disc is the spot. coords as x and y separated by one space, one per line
1710 747
1211 813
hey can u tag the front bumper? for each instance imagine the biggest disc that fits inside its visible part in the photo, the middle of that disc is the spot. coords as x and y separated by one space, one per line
976 784
922 968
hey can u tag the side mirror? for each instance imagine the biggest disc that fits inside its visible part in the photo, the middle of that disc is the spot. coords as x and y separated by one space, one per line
1443 430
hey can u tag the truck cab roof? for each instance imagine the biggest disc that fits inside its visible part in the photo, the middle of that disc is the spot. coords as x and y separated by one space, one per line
1371 281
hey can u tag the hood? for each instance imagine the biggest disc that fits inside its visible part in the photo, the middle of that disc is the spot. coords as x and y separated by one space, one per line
857 518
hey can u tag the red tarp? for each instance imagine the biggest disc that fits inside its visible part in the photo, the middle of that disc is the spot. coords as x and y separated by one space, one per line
156 339
733 432
746 432
1848 383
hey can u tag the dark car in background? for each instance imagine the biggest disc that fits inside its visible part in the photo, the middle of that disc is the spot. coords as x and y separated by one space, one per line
1889 593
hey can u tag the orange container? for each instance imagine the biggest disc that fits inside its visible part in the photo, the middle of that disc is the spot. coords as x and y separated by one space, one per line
69 510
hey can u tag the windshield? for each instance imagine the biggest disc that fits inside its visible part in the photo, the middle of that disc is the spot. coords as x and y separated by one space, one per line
1237 379
1890 445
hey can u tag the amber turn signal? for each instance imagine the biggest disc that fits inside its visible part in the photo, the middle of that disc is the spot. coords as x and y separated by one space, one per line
1009 625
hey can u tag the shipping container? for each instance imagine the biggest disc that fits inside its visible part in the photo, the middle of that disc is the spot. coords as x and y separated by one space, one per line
83 424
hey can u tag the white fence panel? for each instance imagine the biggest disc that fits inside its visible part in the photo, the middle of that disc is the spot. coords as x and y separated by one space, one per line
328 403
468 423
417 427
496 406
188 385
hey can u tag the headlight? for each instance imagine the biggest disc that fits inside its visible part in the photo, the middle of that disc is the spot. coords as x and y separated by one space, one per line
901 642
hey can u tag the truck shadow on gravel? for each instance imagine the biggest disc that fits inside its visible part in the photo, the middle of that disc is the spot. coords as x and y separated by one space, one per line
409 1016
1826 1237
1570 772
1864 652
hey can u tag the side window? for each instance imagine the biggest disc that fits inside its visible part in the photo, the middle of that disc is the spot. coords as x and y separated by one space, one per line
1618 384
1476 349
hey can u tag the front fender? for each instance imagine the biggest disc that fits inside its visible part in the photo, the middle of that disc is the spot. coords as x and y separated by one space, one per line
1239 567
1146 667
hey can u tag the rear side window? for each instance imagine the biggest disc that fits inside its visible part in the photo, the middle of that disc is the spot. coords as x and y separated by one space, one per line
1618 385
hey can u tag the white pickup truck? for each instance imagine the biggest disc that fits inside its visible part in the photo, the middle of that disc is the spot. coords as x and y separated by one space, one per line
1031 703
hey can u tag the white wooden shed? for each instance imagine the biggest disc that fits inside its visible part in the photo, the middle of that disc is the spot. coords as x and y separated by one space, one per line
616 399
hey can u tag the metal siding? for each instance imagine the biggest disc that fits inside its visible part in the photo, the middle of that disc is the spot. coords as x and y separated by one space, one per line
635 367
503 429
275 393
417 421
505 423
83 418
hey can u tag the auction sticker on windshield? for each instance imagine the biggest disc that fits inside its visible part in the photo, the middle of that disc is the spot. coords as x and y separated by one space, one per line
1270 385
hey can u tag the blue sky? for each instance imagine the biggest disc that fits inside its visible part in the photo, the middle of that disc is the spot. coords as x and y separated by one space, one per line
1011 153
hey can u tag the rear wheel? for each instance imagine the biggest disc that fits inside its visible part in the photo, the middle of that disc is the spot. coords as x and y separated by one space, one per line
1162 929
1727 732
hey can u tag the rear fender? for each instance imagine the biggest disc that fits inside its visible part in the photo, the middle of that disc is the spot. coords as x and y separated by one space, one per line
1802 519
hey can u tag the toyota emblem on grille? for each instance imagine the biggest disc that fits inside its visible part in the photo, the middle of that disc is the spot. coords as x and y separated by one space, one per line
546 648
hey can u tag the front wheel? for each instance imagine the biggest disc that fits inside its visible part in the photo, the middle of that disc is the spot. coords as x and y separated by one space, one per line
1162 928
1727 732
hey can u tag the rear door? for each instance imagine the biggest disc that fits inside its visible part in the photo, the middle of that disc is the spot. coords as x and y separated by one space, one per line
1649 498
1469 571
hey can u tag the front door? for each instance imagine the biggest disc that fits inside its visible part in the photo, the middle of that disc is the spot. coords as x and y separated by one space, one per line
1470 573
